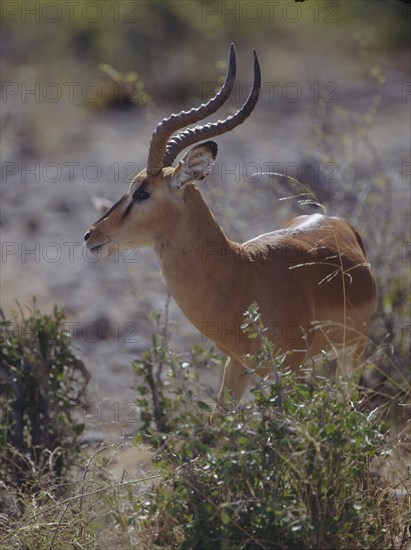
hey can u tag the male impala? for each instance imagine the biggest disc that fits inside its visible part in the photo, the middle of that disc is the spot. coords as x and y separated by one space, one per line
311 280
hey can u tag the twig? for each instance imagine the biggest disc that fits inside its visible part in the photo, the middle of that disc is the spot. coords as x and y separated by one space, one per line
77 497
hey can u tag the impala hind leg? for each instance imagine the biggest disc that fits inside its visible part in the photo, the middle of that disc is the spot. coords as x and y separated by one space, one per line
235 380
349 367
234 383
358 368
350 362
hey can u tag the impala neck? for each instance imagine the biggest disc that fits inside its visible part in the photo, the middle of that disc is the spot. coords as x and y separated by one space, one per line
199 263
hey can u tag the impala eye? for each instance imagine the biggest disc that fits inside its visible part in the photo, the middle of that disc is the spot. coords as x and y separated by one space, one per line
140 195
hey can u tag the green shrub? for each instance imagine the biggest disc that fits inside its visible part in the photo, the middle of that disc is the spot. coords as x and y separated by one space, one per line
166 381
292 480
41 380
290 470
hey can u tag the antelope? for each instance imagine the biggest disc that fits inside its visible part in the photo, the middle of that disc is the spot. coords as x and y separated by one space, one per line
311 279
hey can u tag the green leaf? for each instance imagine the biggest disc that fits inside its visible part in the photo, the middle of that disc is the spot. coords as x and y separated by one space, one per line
225 518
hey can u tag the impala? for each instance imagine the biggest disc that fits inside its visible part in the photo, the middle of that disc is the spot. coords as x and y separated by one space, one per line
311 280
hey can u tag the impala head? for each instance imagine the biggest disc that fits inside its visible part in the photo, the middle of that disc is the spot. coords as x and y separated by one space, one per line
156 193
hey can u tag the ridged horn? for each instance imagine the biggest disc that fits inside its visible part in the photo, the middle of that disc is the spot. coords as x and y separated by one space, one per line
199 133
174 122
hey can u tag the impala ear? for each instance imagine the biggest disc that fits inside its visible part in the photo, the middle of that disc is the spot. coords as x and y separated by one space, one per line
195 165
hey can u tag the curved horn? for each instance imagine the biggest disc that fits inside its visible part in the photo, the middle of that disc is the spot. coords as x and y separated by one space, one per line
174 122
199 133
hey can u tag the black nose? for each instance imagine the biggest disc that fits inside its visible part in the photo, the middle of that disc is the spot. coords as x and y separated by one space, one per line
87 235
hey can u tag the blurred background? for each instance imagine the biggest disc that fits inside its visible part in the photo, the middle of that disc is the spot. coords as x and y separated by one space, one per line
84 85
